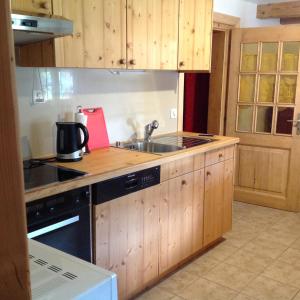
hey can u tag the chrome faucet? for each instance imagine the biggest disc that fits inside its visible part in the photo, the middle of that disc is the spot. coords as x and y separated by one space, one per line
149 128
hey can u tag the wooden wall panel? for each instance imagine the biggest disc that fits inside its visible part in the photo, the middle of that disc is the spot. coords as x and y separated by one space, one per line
152 34
32 6
14 271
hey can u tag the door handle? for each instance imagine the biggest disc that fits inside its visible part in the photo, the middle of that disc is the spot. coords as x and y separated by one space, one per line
52 227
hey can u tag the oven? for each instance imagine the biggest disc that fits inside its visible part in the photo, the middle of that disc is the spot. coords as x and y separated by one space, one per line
63 221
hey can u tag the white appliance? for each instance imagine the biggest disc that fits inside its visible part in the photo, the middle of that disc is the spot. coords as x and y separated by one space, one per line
57 275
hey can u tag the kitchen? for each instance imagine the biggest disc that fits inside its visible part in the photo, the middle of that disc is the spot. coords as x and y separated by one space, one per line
153 211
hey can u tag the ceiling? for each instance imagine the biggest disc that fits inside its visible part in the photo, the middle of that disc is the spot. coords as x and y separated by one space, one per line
267 1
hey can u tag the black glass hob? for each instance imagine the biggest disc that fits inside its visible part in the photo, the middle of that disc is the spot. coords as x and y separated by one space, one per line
37 174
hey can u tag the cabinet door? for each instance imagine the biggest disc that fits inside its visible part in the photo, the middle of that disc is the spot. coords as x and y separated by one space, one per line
32 6
213 202
99 39
152 34
228 194
126 234
176 221
195 35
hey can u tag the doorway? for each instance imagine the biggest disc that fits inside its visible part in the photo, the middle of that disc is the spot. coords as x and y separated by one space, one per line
205 93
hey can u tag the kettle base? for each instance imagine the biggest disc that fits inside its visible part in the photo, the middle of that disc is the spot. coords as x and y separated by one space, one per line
70 157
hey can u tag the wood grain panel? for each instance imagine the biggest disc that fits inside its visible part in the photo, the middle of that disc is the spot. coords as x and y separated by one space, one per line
99 39
152 34
289 9
126 239
198 202
228 194
263 169
213 202
195 35
32 6
199 161
14 272
177 167
213 157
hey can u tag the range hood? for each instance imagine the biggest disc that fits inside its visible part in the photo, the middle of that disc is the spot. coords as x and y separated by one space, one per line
29 29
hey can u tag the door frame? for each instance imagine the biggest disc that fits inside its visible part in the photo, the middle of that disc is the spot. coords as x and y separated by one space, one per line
14 274
221 23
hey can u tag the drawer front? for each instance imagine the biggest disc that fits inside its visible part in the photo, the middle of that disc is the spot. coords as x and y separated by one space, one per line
229 152
214 157
199 161
177 168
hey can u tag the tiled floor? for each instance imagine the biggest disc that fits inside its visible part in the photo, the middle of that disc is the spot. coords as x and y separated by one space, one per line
260 259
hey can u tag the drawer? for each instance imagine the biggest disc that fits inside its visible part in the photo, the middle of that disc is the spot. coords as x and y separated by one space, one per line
229 152
177 168
214 157
199 161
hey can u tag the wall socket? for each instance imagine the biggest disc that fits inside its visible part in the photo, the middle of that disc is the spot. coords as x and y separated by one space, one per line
38 96
173 113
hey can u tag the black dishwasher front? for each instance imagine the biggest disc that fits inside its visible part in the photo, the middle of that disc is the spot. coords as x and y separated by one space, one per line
126 184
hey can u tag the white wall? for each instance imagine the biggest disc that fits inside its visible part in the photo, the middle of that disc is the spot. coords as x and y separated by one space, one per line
129 99
244 9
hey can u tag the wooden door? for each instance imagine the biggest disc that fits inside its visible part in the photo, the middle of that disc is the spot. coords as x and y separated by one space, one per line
99 39
126 239
195 34
262 102
32 6
152 34
213 203
176 221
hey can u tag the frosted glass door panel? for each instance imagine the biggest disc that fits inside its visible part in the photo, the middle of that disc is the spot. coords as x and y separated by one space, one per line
249 57
269 57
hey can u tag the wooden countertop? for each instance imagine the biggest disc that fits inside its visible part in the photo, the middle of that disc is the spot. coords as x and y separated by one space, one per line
111 162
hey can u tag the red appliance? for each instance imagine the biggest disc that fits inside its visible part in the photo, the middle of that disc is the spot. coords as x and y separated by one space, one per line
96 126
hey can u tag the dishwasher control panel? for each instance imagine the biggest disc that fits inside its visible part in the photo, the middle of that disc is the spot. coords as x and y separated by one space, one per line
123 185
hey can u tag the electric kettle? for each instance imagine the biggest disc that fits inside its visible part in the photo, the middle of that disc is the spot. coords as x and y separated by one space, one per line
69 144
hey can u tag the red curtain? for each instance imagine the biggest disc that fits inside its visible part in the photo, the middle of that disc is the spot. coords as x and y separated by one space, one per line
196 89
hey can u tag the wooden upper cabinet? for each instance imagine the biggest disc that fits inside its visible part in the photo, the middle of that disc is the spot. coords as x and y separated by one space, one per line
99 38
195 35
32 6
152 34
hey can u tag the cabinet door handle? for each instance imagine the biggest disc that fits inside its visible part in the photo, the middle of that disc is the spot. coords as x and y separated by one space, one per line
181 64
220 155
44 5
122 61
208 173
132 62
183 182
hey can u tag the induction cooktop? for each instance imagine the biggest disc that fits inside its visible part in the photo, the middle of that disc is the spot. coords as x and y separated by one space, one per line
37 174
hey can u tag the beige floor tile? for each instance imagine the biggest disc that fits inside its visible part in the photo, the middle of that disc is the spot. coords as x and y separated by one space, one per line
297 296
203 289
157 294
263 288
296 244
249 261
177 282
291 256
243 297
221 252
265 247
239 239
230 276
201 265
284 273
279 236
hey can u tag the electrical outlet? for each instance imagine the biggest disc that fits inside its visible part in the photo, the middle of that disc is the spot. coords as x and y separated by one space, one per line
38 96
173 113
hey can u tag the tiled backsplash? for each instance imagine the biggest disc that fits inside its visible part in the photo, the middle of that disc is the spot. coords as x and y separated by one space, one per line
129 99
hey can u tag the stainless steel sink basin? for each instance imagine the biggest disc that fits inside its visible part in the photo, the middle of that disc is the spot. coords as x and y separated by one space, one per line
151 147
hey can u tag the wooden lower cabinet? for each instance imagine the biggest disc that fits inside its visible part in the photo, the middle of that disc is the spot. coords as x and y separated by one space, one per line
218 200
126 232
181 219
143 236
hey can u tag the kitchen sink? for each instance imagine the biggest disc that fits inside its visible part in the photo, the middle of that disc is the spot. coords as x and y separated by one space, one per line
165 144
151 147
